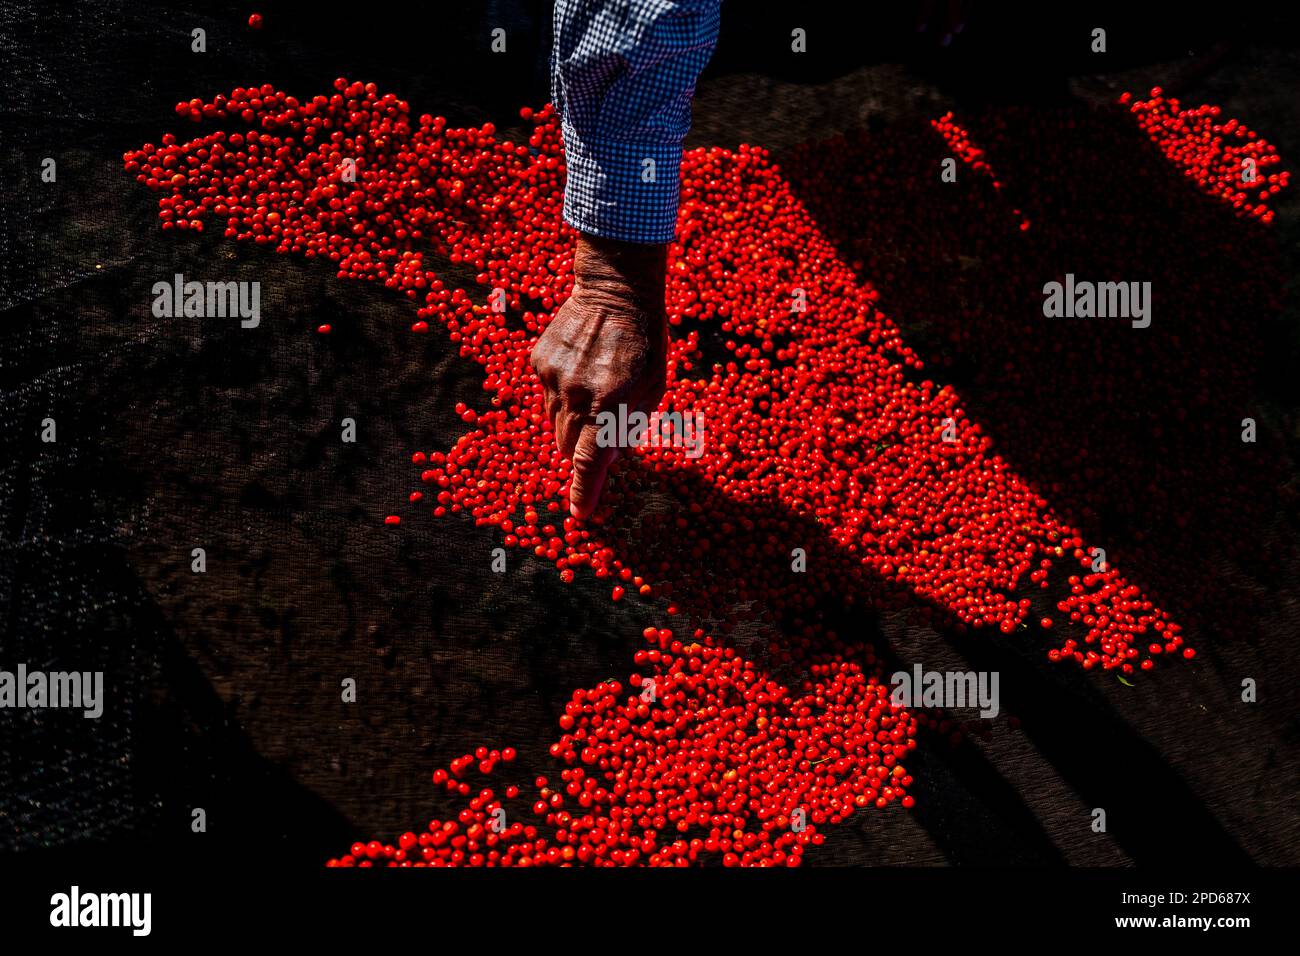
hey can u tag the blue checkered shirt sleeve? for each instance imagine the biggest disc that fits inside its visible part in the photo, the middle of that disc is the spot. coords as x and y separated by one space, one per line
622 77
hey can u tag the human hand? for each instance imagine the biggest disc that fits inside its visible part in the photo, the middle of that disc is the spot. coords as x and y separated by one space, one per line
607 346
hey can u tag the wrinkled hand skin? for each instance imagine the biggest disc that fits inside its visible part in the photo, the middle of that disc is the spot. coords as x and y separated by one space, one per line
607 346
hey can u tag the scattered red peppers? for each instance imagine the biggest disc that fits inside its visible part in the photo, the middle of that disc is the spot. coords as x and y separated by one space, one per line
820 435
1212 152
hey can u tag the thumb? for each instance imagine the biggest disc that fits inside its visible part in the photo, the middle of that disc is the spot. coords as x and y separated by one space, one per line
590 463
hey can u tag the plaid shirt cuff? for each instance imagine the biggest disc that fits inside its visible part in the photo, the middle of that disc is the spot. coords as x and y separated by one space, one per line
622 191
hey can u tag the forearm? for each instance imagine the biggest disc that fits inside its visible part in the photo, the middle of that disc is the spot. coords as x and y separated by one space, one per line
623 75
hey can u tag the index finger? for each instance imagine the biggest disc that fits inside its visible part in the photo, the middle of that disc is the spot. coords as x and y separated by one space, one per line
590 464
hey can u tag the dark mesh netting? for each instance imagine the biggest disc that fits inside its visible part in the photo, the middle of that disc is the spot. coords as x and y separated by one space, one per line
223 688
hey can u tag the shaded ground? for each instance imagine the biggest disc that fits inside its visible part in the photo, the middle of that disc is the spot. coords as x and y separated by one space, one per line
177 434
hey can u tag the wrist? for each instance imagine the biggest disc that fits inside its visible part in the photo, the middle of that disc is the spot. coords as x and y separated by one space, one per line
627 273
